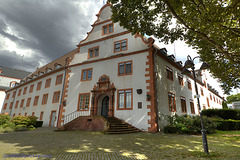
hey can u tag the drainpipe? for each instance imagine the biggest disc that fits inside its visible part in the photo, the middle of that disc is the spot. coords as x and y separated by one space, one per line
13 102
156 100
61 96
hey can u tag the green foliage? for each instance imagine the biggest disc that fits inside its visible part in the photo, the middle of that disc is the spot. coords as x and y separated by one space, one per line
230 124
210 27
4 119
170 129
21 120
224 105
233 98
33 120
186 124
6 130
9 124
38 124
222 113
18 123
21 128
26 121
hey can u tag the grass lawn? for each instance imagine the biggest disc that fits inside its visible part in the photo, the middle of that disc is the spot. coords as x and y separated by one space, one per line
95 145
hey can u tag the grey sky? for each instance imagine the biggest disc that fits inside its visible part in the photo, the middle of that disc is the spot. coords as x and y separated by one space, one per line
33 32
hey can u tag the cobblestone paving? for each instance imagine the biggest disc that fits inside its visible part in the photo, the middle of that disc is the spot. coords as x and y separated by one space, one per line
44 143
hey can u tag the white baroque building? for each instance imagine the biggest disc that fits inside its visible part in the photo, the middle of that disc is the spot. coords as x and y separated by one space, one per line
111 73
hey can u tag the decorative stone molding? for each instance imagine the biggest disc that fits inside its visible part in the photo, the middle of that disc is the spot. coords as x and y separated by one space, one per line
103 87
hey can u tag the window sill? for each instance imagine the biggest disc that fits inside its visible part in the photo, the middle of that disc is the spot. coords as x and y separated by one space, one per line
124 108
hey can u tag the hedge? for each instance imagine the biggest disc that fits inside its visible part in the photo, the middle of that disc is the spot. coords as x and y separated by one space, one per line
38 124
4 118
229 124
222 113
186 124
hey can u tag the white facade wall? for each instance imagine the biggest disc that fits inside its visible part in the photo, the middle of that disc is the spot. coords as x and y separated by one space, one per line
2 97
164 85
136 117
37 109
216 100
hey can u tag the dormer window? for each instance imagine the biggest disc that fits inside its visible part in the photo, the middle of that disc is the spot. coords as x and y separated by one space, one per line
93 52
12 84
107 29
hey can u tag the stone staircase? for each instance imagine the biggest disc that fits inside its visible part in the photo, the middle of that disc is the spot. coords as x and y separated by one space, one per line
117 126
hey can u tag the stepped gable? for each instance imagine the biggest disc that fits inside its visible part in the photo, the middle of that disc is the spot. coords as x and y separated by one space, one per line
100 20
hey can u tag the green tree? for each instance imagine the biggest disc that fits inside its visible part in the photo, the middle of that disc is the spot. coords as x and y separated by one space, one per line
212 27
233 98
224 105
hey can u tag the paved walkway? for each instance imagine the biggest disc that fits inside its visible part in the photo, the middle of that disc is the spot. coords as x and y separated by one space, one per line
45 143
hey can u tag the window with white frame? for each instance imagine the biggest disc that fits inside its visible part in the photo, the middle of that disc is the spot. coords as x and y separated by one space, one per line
86 74
125 99
83 102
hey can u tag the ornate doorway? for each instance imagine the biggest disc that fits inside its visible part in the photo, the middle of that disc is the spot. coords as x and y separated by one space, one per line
104 106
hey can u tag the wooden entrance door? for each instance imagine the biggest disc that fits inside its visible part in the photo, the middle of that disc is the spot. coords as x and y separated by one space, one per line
105 106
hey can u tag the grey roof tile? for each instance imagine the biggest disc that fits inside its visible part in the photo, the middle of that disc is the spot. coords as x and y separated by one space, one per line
13 73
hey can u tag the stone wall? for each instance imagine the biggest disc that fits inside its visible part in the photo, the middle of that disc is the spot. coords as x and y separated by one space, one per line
88 123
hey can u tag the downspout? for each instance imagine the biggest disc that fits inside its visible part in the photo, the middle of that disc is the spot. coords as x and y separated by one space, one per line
13 102
61 96
156 100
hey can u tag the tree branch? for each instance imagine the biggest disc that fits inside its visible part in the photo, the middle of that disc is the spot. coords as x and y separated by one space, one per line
204 36
235 30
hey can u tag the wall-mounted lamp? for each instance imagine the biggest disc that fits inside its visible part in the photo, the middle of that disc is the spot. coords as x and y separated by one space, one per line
64 103
148 97
139 91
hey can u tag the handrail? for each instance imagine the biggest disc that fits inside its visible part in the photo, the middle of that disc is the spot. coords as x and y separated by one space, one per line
73 115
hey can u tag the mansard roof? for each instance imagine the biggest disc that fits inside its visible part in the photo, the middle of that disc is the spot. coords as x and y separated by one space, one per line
4 88
13 73
60 61
47 68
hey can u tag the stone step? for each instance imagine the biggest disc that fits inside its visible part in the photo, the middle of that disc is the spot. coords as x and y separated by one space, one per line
117 126
123 132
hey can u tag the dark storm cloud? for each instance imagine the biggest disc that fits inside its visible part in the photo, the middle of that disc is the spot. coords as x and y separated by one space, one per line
50 28
13 60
